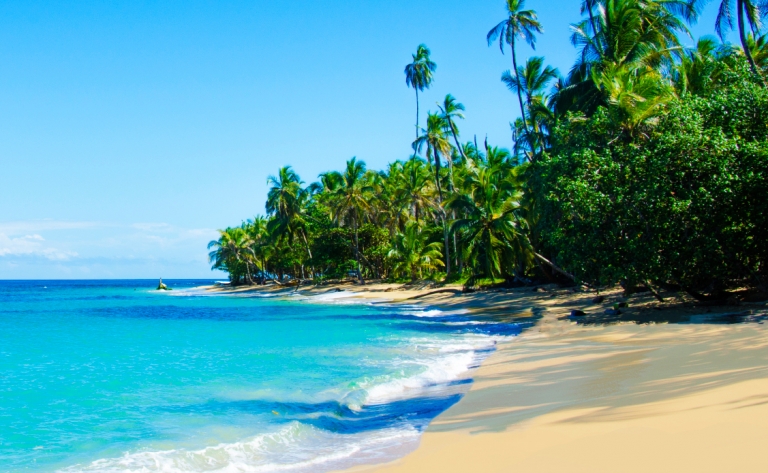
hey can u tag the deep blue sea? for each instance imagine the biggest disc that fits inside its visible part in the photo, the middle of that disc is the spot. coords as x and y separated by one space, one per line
112 376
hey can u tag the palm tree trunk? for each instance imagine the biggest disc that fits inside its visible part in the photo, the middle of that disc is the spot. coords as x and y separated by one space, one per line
445 240
743 36
442 212
456 139
519 93
357 251
594 25
417 112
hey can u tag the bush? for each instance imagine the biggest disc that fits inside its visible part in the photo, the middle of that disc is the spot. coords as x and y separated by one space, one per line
686 202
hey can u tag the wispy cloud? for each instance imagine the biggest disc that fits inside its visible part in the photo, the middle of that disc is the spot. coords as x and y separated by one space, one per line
38 226
32 245
41 248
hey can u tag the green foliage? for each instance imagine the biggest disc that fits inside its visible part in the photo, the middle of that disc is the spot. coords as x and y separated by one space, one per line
685 204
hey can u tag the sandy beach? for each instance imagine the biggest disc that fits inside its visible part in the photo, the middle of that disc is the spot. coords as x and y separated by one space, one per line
662 387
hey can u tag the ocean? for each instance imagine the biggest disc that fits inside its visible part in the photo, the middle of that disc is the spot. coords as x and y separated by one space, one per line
113 376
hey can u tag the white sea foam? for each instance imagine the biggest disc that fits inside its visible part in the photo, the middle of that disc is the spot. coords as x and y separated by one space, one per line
296 448
441 362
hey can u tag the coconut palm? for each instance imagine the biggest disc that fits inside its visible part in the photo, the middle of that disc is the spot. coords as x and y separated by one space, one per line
412 253
349 195
286 200
262 244
758 46
637 97
419 75
450 110
748 15
531 80
641 35
232 252
437 145
697 67
519 24
413 184
491 229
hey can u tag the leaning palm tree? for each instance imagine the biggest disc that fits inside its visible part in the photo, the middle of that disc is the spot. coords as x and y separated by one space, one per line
521 24
419 75
231 252
749 14
349 199
412 253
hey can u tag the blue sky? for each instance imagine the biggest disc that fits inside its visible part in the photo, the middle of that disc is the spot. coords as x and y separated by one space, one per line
131 131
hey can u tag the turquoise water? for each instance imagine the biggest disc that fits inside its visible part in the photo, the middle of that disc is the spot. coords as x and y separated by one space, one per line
110 376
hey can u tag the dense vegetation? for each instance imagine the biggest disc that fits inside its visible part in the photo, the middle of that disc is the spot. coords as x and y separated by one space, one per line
645 165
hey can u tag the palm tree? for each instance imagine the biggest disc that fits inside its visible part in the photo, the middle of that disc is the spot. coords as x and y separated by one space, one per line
437 144
286 200
640 35
531 80
490 225
451 110
697 67
758 46
753 11
522 24
418 74
637 98
262 245
230 252
412 184
413 254
349 199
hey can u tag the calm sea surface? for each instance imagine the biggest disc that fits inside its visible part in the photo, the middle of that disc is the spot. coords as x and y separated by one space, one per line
111 376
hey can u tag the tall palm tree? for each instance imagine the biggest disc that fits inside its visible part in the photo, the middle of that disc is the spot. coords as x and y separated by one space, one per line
749 14
419 75
437 145
349 194
522 24
450 110
413 254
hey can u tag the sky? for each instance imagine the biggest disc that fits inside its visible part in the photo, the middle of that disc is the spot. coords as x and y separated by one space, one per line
131 130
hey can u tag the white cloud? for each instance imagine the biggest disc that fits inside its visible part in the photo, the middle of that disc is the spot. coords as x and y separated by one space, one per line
31 245
54 248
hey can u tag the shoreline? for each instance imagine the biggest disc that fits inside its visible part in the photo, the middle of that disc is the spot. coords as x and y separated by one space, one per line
661 386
